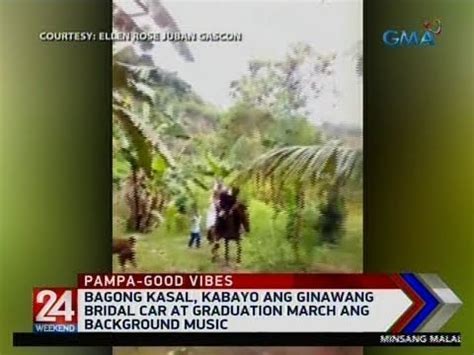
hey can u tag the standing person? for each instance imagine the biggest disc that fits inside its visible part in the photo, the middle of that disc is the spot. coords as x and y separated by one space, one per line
195 237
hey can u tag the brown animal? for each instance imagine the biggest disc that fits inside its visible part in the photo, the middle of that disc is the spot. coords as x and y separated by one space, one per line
232 220
125 250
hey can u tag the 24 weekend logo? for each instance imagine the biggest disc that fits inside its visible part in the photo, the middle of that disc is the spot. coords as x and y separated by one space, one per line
426 37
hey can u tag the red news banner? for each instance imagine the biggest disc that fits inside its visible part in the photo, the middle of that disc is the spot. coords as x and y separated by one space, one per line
246 303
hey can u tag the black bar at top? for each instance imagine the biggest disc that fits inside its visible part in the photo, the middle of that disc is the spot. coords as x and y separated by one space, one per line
233 339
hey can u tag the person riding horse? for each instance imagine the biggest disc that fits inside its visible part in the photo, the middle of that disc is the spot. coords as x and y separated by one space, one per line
231 220
213 210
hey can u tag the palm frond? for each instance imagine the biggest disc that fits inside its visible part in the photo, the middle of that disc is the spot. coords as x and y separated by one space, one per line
158 16
306 164
164 20
142 91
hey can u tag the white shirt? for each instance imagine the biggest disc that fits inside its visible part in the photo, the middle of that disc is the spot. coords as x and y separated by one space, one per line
196 224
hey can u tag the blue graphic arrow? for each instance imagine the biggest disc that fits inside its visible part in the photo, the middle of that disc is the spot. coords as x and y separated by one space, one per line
431 303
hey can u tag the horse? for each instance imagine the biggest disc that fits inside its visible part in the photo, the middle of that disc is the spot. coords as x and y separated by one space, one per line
231 220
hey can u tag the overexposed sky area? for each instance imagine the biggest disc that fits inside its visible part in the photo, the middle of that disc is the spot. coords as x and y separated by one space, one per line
268 28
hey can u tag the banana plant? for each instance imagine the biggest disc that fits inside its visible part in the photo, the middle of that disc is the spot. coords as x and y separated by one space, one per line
143 154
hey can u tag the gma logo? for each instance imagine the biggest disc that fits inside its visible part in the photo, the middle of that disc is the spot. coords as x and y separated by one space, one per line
425 38
394 38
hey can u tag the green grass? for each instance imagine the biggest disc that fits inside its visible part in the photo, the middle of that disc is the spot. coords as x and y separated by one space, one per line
265 249
161 252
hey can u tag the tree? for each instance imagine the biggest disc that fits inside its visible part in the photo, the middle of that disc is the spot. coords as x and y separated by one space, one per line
283 87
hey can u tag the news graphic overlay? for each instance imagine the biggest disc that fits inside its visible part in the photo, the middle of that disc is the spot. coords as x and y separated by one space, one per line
54 310
321 309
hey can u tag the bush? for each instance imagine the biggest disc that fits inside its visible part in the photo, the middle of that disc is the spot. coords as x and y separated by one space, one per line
268 248
332 217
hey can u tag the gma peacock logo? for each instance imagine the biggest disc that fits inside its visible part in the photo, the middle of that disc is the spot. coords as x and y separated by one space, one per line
425 38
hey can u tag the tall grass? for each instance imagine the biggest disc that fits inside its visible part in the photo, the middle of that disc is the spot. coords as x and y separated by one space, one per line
265 249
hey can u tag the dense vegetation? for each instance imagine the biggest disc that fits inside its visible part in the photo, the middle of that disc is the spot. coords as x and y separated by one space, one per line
303 189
